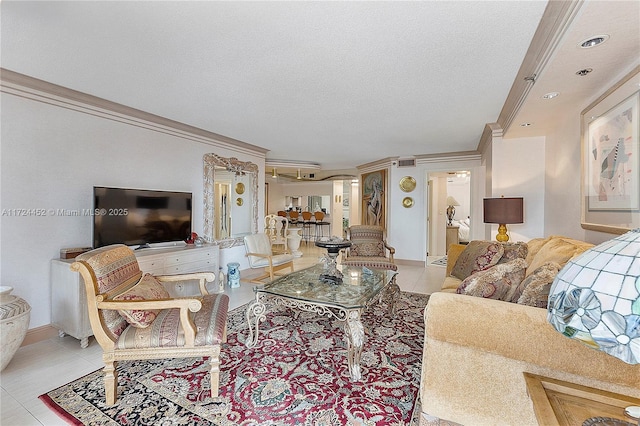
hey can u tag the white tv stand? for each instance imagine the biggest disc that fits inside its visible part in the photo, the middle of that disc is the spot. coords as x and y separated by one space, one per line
68 297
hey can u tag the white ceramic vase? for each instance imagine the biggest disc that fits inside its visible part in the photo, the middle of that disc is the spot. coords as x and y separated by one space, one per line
293 242
15 313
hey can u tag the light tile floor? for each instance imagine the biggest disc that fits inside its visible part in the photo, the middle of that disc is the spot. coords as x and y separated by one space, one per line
46 365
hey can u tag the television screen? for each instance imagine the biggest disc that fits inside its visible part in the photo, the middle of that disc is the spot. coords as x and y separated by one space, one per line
139 216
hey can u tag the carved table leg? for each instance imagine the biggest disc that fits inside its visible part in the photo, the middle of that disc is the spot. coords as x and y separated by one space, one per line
392 295
354 331
84 342
256 311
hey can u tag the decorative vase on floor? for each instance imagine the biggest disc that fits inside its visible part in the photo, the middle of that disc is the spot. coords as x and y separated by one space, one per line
14 322
233 274
293 242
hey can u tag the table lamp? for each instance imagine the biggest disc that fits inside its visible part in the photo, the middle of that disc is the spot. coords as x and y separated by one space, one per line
595 299
503 211
451 210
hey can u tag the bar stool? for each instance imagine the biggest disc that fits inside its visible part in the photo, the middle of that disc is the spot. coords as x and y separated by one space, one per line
319 224
306 226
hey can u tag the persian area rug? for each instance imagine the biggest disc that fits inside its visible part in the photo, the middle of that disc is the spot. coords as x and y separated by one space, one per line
440 262
296 375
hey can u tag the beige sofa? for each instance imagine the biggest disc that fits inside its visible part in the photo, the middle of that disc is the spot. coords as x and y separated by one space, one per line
476 351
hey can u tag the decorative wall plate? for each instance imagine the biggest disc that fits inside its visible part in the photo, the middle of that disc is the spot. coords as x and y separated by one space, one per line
407 184
239 188
407 202
239 201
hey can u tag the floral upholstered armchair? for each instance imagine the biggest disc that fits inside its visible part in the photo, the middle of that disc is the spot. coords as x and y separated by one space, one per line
133 316
369 248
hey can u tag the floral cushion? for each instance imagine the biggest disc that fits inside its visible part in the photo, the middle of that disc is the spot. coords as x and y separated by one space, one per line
149 288
496 282
477 256
534 290
513 251
367 249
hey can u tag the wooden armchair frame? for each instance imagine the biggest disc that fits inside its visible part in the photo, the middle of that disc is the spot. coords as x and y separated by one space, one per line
260 255
370 238
101 302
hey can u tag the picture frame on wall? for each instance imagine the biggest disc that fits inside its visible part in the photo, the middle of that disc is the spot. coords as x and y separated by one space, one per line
611 159
373 198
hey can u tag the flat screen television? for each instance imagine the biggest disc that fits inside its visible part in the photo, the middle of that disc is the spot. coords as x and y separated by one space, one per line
139 217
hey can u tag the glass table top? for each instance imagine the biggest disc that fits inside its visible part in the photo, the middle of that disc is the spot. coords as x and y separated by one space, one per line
357 289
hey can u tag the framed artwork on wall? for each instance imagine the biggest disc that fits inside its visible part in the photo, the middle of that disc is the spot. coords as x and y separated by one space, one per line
611 159
373 198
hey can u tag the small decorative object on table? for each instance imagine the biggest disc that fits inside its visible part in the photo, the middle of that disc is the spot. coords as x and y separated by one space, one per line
333 245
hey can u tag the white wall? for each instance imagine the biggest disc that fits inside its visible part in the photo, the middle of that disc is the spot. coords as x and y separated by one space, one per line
518 171
407 227
563 208
51 159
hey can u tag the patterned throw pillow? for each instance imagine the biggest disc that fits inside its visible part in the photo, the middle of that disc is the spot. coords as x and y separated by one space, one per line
534 290
149 288
513 251
367 249
494 283
477 256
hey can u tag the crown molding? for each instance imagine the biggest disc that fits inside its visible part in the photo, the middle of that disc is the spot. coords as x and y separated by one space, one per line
556 19
24 86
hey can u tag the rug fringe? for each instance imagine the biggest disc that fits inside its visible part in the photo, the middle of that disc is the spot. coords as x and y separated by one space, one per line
53 406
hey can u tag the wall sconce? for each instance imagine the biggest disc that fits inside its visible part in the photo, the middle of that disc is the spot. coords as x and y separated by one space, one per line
298 176
274 174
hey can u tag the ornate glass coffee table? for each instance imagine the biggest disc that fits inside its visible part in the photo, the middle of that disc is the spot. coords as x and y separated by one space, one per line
345 302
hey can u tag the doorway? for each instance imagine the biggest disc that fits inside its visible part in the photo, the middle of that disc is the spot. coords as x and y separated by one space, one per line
448 192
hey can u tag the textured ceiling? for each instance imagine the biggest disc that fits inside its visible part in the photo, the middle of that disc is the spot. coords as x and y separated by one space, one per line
337 83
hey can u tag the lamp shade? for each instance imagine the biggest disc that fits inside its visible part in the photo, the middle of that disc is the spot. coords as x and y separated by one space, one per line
595 298
503 210
452 201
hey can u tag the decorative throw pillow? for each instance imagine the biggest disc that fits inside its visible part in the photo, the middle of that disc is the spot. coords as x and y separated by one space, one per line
477 256
496 282
534 290
367 249
148 288
557 249
513 251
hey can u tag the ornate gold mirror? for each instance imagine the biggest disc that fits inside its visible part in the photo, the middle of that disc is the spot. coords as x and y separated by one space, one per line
225 219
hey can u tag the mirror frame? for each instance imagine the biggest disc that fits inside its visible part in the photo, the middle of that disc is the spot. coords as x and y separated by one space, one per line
232 164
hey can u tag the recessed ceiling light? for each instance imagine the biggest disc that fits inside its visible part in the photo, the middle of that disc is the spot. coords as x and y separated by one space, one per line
593 41
584 72
525 124
550 95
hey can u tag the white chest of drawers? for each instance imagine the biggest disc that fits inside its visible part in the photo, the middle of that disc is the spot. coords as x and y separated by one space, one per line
68 298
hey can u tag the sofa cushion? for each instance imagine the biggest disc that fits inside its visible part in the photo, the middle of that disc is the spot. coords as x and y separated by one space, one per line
535 288
149 288
477 256
496 282
451 284
534 246
559 250
541 276
513 251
